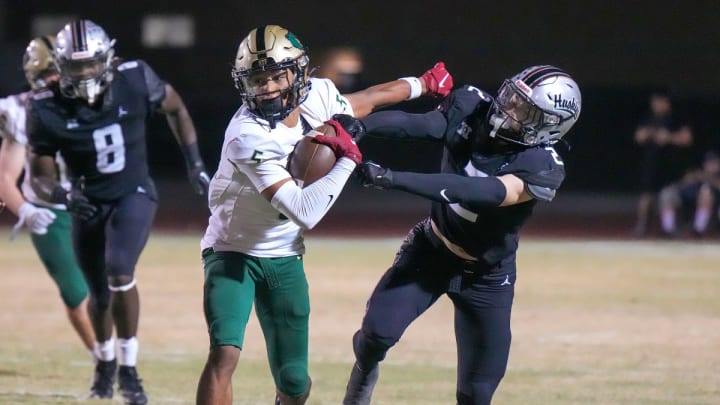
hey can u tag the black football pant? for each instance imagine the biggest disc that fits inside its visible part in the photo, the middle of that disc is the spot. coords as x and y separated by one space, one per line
110 243
422 272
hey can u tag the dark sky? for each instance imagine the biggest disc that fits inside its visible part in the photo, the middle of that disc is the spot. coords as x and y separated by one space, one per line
617 52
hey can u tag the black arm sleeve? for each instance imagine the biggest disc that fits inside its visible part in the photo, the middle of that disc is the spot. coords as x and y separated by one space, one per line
399 124
452 188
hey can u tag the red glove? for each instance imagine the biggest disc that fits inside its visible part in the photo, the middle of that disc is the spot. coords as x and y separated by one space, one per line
438 80
342 143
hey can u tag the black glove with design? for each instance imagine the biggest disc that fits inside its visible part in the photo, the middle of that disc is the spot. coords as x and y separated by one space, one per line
372 174
76 202
352 125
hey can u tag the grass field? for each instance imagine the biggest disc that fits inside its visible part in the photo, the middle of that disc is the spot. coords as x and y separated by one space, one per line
594 322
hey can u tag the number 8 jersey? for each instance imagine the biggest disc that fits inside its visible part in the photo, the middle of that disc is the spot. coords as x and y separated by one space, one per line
104 143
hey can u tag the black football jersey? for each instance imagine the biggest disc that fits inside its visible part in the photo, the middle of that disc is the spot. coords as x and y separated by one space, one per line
105 145
490 233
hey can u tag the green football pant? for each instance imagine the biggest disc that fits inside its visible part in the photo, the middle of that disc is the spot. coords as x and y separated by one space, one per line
279 289
56 253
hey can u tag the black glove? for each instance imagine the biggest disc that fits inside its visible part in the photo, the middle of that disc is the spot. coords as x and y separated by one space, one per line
197 174
199 178
372 174
76 202
352 125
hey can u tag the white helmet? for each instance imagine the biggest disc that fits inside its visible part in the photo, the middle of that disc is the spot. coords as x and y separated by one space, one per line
271 48
538 105
83 55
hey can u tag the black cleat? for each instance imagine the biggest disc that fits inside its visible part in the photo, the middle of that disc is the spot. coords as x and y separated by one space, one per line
130 386
103 380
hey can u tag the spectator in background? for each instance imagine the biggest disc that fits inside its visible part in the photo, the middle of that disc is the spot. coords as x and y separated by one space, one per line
664 147
698 190
343 65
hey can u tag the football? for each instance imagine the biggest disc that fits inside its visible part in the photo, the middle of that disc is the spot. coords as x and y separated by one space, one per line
310 160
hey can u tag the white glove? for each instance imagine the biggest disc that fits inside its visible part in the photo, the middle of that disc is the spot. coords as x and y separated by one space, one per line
37 219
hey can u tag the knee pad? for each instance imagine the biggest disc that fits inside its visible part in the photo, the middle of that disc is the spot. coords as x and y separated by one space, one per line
368 351
293 380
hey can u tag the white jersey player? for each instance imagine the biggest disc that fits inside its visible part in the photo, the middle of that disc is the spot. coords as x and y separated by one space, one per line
254 158
48 224
253 246
13 110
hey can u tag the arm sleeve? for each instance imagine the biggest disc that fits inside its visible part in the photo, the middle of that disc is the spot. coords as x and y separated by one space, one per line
452 188
307 206
399 124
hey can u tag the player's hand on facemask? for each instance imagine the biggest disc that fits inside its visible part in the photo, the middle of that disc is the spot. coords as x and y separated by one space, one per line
37 219
341 144
438 80
352 125
372 174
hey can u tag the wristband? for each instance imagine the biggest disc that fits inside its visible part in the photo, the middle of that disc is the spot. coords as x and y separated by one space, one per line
415 87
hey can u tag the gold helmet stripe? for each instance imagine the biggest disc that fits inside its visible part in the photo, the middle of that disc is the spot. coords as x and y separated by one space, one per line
260 46
46 40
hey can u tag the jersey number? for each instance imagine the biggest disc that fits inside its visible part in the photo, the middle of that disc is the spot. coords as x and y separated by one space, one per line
555 155
110 148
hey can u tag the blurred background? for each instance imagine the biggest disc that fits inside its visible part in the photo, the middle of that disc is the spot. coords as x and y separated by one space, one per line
619 54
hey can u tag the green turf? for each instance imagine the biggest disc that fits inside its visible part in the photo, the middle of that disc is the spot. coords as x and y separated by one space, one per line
595 322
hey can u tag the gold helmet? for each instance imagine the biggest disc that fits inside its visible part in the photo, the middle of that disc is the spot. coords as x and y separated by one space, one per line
38 61
271 48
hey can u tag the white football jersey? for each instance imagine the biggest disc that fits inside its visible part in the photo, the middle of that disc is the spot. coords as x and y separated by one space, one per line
13 107
254 157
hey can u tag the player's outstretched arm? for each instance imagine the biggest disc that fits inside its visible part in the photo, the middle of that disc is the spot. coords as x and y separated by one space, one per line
436 82
448 188
183 129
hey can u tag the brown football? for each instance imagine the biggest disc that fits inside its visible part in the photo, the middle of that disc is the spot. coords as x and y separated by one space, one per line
310 160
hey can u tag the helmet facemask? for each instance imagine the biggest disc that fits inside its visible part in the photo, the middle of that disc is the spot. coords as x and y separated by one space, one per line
84 56
271 73
291 89
516 118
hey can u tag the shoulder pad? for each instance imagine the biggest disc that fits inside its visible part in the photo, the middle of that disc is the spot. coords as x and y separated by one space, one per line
539 166
128 65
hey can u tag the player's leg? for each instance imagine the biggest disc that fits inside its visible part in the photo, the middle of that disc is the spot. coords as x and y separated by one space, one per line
89 247
282 304
404 292
55 251
127 233
669 202
703 209
227 301
482 333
